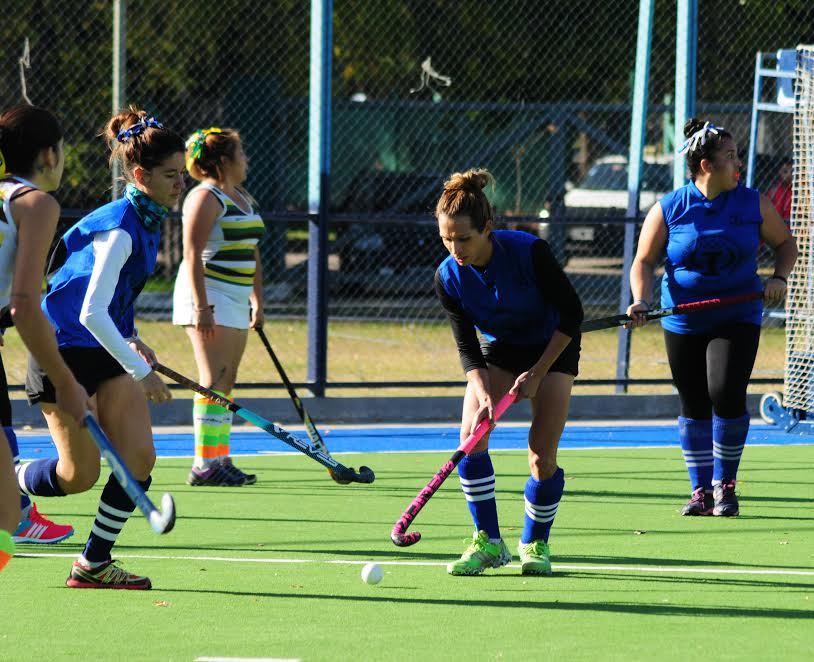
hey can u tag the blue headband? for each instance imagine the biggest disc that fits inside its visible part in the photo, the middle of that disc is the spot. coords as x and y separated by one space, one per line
138 128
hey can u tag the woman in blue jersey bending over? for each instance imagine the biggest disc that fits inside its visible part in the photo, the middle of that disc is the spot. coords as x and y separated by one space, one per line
508 286
103 263
710 231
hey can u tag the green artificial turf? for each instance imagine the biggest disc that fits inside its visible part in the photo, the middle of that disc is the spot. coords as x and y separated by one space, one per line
633 579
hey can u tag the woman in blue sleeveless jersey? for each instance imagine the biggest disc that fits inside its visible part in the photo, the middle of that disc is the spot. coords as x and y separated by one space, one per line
507 286
709 232
103 262
32 160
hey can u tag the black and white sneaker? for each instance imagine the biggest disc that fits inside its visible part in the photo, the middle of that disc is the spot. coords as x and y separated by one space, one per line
216 475
726 502
700 503
248 479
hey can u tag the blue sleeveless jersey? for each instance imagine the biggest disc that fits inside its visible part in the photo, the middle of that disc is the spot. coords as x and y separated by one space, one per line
68 286
503 299
712 248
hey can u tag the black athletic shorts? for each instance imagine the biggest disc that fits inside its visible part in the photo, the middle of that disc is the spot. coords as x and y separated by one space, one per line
519 358
90 365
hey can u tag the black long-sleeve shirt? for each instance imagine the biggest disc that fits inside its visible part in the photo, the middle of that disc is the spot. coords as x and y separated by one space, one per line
554 286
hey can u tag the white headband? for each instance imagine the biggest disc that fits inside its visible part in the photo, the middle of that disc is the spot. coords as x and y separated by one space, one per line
699 138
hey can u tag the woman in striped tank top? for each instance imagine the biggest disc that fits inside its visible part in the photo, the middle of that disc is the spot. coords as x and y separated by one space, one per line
219 290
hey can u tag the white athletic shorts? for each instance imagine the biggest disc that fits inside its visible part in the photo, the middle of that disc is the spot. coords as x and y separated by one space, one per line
231 302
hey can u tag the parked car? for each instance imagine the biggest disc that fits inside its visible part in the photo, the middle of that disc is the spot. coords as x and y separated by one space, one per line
602 195
397 246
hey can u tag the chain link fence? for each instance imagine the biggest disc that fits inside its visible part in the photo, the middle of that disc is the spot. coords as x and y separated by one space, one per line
538 92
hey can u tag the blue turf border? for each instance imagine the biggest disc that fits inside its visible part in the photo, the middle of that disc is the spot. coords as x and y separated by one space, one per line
442 438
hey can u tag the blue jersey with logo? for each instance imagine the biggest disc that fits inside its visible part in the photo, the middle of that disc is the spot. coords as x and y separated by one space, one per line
712 248
68 286
503 299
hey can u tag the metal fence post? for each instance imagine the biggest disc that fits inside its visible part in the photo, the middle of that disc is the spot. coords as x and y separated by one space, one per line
319 177
119 84
638 125
686 65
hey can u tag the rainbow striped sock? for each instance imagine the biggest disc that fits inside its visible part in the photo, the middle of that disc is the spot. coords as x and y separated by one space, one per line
207 420
225 431
6 548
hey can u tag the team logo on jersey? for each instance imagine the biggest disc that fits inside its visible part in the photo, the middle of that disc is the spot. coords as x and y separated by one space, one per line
712 255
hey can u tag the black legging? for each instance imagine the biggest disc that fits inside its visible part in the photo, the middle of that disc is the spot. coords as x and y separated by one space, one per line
711 371
5 402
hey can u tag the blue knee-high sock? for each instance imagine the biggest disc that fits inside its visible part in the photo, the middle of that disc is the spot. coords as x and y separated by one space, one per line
39 478
115 507
695 436
478 484
542 499
25 502
728 440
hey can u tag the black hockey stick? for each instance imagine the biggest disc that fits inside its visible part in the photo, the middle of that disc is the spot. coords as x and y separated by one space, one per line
327 461
313 434
694 306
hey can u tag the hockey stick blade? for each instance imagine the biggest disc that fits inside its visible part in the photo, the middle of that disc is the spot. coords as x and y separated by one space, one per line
365 475
398 533
160 521
274 430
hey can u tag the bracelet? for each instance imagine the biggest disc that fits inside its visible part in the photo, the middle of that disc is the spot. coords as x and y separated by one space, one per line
638 301
778 277
205 308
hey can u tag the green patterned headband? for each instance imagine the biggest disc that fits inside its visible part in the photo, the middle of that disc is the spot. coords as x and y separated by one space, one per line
195 143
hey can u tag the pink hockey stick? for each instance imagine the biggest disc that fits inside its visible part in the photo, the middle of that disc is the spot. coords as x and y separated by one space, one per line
399 534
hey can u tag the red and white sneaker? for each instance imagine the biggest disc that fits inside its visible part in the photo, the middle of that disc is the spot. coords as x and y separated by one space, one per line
107 575
37 528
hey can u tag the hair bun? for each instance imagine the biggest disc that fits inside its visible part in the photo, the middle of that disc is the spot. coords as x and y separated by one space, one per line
471 181
123 120
693 124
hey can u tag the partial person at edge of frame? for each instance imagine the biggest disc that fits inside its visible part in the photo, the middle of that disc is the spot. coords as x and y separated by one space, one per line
97 271
32 160
508 286
218 291
709 232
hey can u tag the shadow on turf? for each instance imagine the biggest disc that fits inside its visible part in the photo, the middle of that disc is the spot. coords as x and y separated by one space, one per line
694 611
711 582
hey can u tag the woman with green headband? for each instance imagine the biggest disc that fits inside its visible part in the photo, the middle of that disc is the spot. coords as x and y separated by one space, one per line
218 291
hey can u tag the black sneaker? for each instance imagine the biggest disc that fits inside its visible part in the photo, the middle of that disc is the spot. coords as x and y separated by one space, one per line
726 503
248 479
215 474
701 503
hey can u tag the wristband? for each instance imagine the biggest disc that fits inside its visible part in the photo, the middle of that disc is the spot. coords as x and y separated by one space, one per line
638 301
778 277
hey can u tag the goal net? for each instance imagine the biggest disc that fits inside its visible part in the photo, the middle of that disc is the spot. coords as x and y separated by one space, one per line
799 368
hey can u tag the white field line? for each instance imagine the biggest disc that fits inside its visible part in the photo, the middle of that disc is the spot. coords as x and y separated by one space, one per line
247 659
556 566
452 450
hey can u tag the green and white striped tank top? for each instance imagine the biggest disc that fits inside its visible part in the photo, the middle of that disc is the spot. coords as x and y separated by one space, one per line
229 253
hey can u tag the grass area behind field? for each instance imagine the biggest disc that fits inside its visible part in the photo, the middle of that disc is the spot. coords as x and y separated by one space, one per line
627 581
392 351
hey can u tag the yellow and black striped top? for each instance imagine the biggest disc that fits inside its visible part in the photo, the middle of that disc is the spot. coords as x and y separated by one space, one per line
229 253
